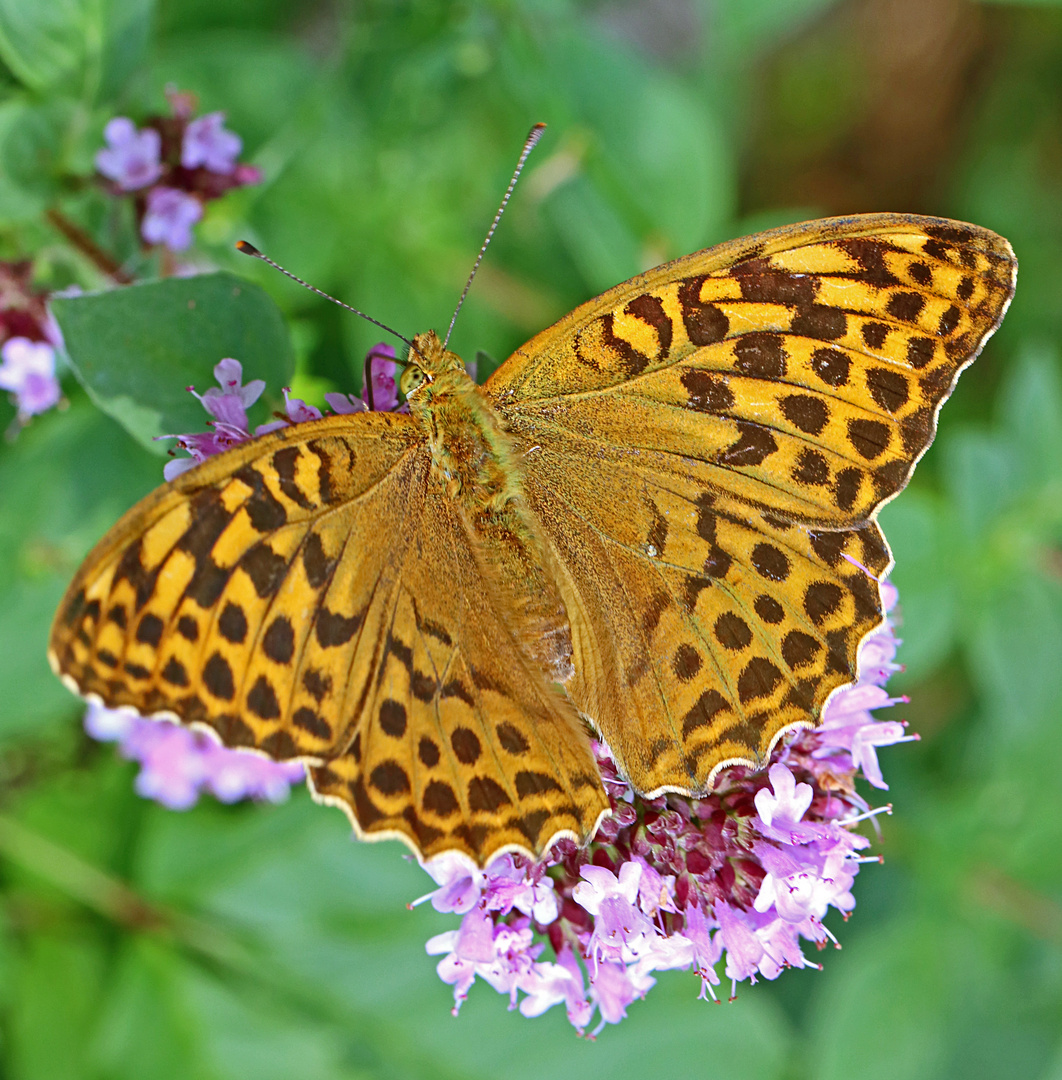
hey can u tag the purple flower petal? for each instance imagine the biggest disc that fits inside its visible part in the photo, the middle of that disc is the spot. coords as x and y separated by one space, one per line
381 371
345 404
298 411
789 800
107 725
178 764
475 939
169 218
207 144
460 884
28 373
228 405
132 158
743 948
614 987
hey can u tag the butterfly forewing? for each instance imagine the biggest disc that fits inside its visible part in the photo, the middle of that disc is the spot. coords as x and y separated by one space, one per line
708 446
312 594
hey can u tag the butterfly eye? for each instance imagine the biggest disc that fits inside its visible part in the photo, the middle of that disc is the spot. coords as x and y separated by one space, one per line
413 378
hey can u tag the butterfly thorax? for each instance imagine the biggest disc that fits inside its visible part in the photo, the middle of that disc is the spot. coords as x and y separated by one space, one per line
472 453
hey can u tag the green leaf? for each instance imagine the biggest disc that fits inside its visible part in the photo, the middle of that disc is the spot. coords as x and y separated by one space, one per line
75 47
747 26
32 695
597 238
678 164
1014 652
1031 410
146 1028
58 985
29 149
137 349
982 476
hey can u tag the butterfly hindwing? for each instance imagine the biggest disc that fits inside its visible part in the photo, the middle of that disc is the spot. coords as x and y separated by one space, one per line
707 447
461 742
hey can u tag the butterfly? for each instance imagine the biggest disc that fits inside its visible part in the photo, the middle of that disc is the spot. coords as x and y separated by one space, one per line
656 522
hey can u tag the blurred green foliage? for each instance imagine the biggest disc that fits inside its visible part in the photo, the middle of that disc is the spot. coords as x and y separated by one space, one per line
232 942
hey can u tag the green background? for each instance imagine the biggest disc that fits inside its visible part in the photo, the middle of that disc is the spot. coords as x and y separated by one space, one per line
261 942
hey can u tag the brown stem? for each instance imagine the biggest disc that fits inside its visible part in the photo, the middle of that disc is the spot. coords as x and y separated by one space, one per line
1037 913
110 897
88 247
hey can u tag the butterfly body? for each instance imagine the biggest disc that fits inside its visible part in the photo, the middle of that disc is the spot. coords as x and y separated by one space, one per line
666 503
477 465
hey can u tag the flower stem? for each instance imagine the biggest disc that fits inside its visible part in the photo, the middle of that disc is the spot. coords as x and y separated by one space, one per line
88 247
107 895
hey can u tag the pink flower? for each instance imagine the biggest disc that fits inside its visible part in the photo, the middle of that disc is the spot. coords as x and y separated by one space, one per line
381 374
613 987
787 803
460 883
177 764
169 218
132 158
227 404
174 165
230 403
207 144
28 374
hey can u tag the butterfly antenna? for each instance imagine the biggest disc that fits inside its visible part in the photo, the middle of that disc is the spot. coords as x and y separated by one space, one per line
532 138
250 249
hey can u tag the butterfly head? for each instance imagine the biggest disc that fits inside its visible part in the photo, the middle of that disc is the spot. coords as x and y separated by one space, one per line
429 362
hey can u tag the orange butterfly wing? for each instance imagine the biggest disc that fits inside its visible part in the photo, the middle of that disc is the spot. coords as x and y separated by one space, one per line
707 447
313 594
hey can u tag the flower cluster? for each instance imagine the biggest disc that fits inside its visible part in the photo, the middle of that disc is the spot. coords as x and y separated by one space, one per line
171 167
228 407
177 764
746 873
28 337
